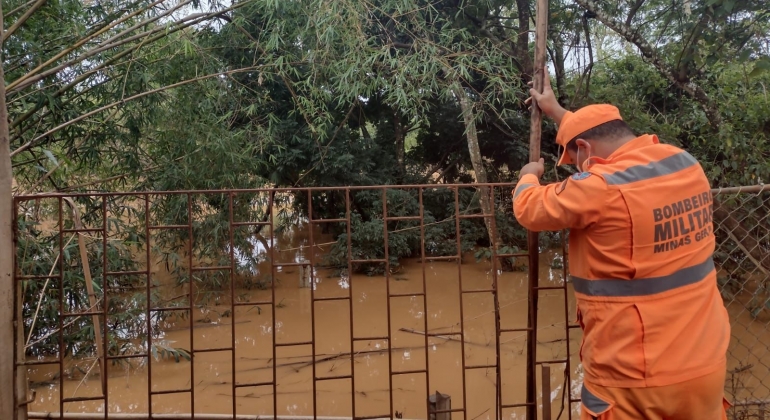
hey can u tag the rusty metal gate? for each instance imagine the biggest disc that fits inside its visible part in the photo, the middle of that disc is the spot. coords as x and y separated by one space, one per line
348 302
82 275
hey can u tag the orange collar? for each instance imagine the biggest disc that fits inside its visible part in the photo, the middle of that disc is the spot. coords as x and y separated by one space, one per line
643 140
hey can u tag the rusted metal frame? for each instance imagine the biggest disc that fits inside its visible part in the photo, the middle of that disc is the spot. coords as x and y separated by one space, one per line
532 293
410 372
387 296
496 302
311 258
231 229
20 402
128 356
472 367
168 227
458 241
350 300
480 291
397 295
568 365
271 201
257 303
172 391
296 343
264 190
375 338
253 385
373 417
172 308
510 330
37 362
61 306
191 287
546 391
212 268
148 258
81 399
80 314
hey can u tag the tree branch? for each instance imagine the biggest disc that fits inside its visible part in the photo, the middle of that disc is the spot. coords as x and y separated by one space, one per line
129 99
16 25
635 8
651 55
77 45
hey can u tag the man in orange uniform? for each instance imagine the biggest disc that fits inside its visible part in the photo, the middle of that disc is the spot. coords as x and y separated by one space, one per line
655 329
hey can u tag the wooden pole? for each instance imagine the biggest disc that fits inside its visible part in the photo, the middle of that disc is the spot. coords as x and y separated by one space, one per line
533 242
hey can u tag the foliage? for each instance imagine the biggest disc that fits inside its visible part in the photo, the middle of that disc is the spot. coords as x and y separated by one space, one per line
187 96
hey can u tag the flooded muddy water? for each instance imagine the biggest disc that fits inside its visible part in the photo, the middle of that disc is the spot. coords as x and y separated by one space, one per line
251 329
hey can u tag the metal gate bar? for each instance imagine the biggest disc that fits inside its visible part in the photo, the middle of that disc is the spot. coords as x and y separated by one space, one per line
151 227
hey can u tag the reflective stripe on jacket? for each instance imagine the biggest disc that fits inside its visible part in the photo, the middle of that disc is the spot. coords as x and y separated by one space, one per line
641 242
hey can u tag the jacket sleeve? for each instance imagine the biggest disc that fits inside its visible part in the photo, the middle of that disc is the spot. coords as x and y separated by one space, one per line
574 203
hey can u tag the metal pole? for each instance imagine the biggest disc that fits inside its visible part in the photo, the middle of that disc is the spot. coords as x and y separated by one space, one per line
541 27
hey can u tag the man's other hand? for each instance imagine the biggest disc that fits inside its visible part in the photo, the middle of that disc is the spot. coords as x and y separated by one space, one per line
546 101
534 168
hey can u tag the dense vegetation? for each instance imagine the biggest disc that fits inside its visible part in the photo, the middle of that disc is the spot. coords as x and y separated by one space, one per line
181 95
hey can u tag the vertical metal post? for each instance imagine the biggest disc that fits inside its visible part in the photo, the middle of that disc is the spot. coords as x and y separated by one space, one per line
387 296
496 301
20 371
61 306
349 231
273 244
231 229
148 291
546 391
310 267
191 288
105 309
424 296
541 27
460 288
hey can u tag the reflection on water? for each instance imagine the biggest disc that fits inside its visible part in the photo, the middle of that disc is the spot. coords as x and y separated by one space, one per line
327 324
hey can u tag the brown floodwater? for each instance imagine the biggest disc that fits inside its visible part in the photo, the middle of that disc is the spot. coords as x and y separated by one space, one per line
251 328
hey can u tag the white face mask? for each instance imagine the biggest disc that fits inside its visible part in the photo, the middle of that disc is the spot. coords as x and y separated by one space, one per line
579 166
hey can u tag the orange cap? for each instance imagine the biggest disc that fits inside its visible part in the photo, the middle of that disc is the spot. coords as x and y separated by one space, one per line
576 123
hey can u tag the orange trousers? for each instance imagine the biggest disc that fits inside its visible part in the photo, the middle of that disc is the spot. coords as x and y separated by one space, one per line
697 399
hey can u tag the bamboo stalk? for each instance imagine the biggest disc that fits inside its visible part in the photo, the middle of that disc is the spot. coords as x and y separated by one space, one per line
89 282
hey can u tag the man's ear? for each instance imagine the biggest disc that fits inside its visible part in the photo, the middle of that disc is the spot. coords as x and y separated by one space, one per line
584 144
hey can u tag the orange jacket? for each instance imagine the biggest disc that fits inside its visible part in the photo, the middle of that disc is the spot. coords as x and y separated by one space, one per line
641 241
